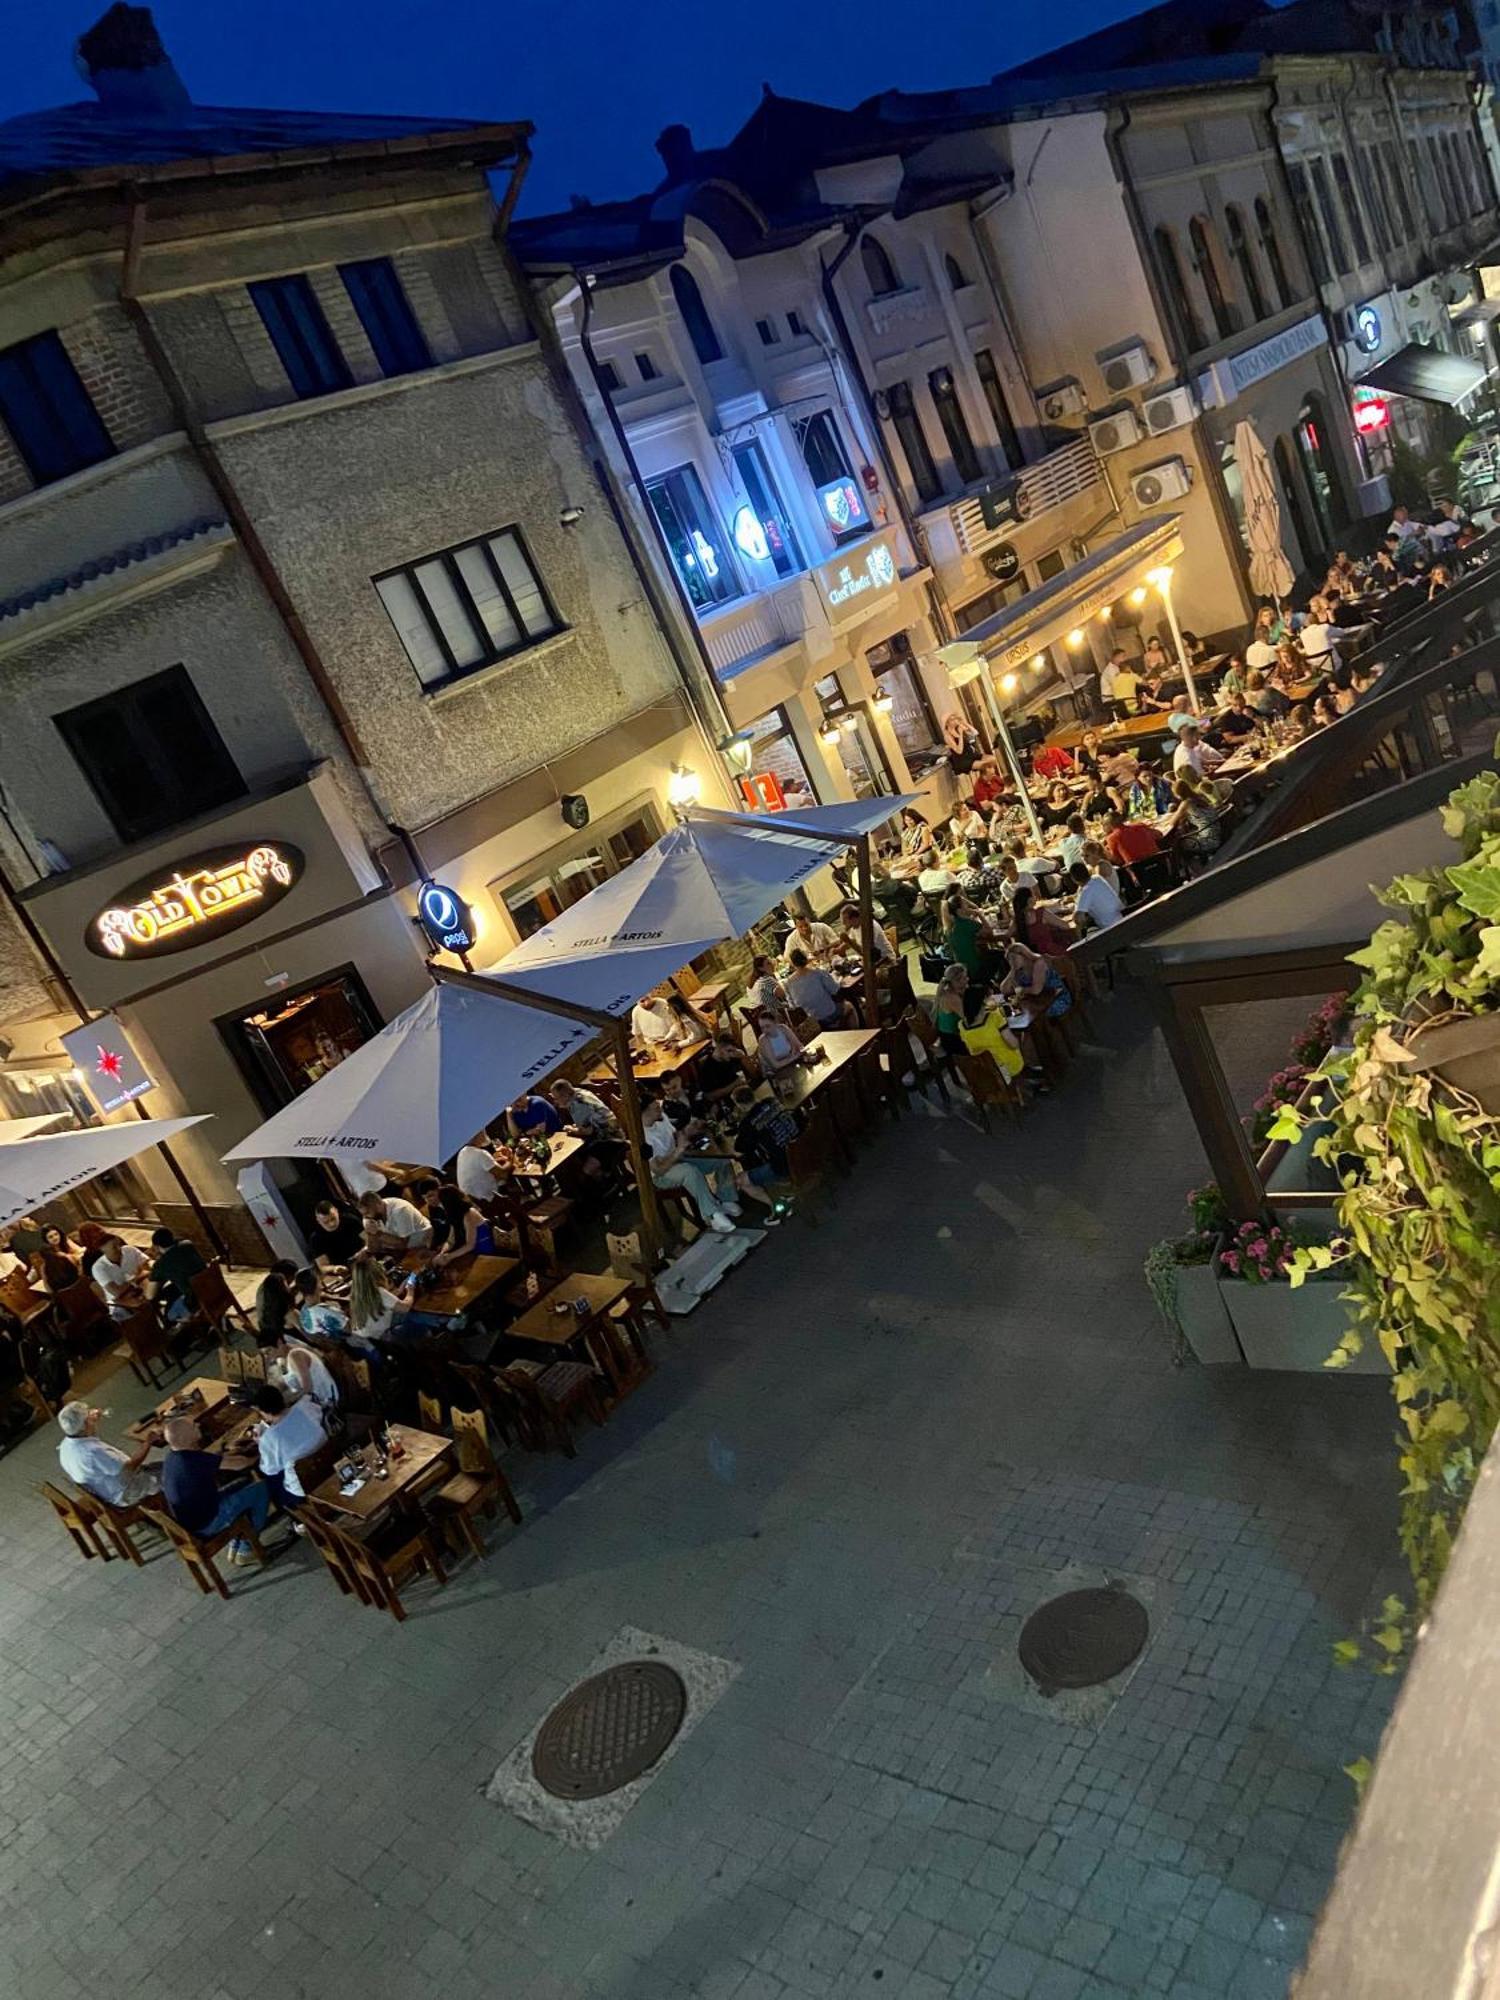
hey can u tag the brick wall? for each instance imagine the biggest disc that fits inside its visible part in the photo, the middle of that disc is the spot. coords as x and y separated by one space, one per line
344 323
121 382
14 478
432 315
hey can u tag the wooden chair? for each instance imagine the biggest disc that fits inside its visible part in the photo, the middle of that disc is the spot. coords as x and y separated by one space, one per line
215 1301
231 1364
989 1086
320 1528
811 1160
550 1396
253 1366
545 1222
475 1487
387 1557
803 1026
430 1412
83 1317
879 1090
629 1315
149 1340
117 1523
79 1514
198 1551
851 1115
936 1065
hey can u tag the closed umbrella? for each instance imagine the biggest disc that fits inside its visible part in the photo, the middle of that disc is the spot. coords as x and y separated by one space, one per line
37 1170
1270 573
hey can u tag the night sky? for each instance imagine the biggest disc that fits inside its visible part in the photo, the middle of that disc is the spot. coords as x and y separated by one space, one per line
598 78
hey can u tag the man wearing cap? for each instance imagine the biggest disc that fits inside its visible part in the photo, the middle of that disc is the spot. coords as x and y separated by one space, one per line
99 1468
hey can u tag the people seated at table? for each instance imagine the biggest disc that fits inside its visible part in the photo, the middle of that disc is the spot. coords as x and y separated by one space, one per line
1439 579
1196 819
459 1228
532 1116
1298 725
765 989
656 1024
968 938
851 935
1402 525
778 1047
205 1496
672 1166
916 835
275 1299
815 991
289 1431
1192 753
1266 701
1260 653
1057 808
170 1280
1291 669
1344 694
949 1002
1195 648
1324 710
1237 723
335 1235
297 1370
1128 841
1089 753
719 1071
59 1262
313 1313
1319 637
1150 793
1051 761
583 1112
818 942
122 1478
969 823
117 1271
1097 860
476 1169
1096 902
1156 661
1232 680
762 1128
988 783
1070 847
393 1224
1034 927
1032 981
375 1312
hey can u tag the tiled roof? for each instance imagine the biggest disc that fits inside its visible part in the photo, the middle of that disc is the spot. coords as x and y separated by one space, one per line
117 559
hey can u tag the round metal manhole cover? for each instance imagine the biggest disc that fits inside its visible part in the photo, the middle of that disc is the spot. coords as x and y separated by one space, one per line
608 1730
1082 1638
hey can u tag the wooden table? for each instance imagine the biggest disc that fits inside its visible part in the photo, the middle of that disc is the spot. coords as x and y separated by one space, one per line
542 1326
1131 730
424 1454
561 1147
464 1284
222 1423
841 1045
651 1068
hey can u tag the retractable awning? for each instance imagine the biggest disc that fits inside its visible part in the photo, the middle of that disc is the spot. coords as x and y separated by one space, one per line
1478 312
1427 374
1054 608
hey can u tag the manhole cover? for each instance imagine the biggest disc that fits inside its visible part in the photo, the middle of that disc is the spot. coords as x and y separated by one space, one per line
1082 1638
608 1730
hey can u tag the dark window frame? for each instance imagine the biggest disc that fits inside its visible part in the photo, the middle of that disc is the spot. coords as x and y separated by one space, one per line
696 319
385 312
880 271
1237 237
1174 280
942 386
1328 208
490 654
123 712
992 383
55 434
1306 212
646 368
1343 180
906 421
708 517
1270 243
958 278
297 327
1204 240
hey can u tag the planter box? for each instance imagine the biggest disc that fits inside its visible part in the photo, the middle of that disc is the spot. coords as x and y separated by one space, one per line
1205 1323
1281 1328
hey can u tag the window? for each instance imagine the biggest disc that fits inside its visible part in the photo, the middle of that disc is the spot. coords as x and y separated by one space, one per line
1000 416
958 277
152 755
766 328
955 425
1244 262
609 376
1338 251
1397 184
700 328
1270 243
47 410
694 539
385 314
1432 186
646 368
1357 233
774 753
1169 265
859 748
1307 216
794 325
778 540
908 427
568 872
301 336
1315 448
1291 488
467 607
913 719
1205 258
880 272
823 454
1367 173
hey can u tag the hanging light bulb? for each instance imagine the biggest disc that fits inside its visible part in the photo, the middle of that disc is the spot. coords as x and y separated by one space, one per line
849 723
1075 637
1038 661
1137 598
1106 614
1009 683
829 733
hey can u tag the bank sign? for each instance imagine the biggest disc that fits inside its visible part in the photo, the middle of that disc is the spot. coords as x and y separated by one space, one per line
852 582
202 899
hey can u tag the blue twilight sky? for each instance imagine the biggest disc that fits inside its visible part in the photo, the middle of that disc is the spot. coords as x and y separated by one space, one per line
598 78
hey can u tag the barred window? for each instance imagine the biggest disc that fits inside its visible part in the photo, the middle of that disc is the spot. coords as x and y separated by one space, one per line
467 607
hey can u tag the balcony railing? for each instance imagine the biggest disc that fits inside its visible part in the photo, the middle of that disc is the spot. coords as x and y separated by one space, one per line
758 626
1036 490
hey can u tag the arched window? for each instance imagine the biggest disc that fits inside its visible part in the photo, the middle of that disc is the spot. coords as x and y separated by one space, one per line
1291 489
1169 264
1244 262
1265 229
958 277
1200 234
879 270
700 328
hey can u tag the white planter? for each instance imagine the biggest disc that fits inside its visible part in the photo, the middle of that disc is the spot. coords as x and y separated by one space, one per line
1205 1322
1279 1327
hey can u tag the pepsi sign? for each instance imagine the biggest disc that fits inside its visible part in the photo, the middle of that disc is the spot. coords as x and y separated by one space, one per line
446 918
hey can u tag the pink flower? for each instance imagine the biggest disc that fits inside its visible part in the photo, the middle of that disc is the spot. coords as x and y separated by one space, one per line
1230 1261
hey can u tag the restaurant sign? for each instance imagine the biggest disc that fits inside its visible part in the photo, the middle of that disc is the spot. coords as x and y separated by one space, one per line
113 1074
850 582
202 899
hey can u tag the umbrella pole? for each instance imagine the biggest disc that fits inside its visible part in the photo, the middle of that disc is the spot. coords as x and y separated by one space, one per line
867 932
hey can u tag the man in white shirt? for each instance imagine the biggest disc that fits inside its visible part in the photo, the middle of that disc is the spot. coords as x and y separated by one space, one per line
391 1223
1403 527
819 941
1193 754
291 1431
849 933
669 1168
653 1022
1095 903
99 1468
117 1267
475 1170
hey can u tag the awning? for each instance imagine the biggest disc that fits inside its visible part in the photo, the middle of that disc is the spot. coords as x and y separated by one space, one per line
1478 312
1429 374
37 1170
12 1129
1054 608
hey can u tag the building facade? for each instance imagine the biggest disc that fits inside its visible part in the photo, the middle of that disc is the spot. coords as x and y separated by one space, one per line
309 588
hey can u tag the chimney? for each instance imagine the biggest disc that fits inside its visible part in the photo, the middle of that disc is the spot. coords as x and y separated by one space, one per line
130 72
676 148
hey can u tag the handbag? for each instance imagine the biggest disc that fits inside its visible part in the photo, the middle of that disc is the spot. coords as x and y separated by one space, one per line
932 965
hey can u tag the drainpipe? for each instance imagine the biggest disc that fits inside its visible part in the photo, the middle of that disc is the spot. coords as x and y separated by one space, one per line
1115 127
227 494
942 617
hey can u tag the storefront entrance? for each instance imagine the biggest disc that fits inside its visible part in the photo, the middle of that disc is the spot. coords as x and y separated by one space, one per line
289 1042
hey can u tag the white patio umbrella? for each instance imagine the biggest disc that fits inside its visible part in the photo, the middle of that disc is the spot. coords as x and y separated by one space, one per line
1270 573
22 1128
35 1171
424 1086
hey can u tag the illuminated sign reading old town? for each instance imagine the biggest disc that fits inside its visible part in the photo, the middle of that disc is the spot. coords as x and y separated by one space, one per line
203 898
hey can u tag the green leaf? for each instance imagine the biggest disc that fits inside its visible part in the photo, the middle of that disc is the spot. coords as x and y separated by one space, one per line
1346 1652
1286 1125
1359 1771
1392 1609
1390 1638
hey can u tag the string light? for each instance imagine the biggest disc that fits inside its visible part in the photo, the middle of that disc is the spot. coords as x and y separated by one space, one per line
1038 661
883 702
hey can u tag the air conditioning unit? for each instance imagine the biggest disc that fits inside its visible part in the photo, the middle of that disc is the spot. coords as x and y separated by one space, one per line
1132 369
1116 433
1169 411
1062 402
1167 481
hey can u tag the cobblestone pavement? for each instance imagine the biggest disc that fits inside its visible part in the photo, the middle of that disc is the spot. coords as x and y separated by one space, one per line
852 1475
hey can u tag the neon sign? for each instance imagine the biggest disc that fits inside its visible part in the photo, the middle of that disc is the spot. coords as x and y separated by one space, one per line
1371 412
203 898
750 536
1367 329
843 506
446 918
845 581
